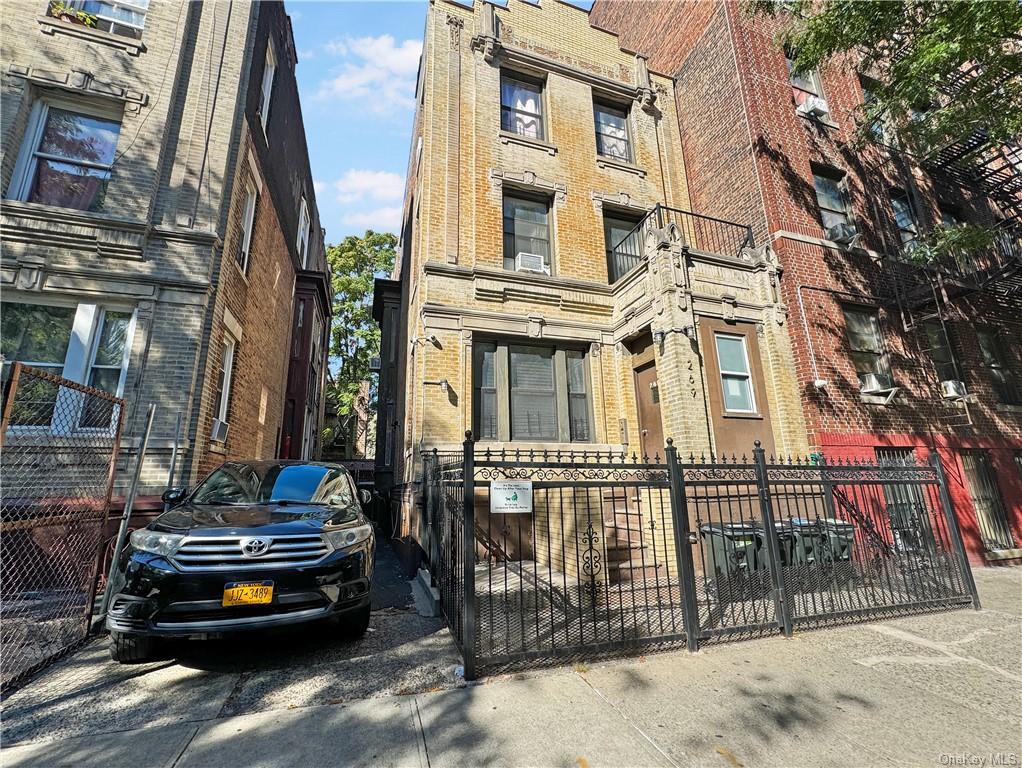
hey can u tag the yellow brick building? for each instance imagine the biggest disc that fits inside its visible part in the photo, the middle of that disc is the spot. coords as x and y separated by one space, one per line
553 289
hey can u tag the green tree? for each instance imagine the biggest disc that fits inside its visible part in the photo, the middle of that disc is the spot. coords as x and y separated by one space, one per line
916 51
354 336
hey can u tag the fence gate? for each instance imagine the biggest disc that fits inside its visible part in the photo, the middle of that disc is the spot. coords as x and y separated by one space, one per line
551 554
60 442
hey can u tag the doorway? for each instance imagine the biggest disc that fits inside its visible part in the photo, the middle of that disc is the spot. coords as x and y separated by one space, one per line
647 398
986 500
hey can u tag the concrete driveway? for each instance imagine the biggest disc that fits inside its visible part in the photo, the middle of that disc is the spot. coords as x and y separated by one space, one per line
930 690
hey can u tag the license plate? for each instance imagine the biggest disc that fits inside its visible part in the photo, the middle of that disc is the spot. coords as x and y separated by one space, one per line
248 593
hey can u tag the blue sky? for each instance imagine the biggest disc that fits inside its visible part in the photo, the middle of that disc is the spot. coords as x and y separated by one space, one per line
357 63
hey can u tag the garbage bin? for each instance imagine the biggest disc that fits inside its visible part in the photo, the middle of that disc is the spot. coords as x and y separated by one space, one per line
809 541
840 543
730 556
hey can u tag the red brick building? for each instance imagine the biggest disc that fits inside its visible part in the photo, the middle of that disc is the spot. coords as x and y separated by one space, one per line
893 361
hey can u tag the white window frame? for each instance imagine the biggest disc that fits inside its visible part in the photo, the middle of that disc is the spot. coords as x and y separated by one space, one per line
86 332
266 86
248 221
747 373
230 347
29 156
79 4
304 227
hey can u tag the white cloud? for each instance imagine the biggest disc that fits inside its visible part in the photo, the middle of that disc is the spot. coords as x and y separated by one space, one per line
319 186
385 219
307 54
377 71
357 185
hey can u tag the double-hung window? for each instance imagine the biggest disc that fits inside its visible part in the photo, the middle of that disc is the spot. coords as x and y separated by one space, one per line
531 393
222 397
521 106
612 131
266 86
994 356
735 373
67 156
831 196
247 222
939 349
904 217
622 244
526 233
804 85
88 344
866 344
304 224
119 17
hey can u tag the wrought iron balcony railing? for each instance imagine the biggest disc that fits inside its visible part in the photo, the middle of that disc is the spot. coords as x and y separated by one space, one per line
698 232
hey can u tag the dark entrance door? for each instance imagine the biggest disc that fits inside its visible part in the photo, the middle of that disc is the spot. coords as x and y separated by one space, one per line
647 395
986 499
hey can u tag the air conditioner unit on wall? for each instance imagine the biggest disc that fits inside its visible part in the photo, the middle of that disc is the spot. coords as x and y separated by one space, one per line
843 233
814 107
219 431
531 262
952 389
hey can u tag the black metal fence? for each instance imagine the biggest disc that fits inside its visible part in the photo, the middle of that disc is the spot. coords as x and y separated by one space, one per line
60 443
606 552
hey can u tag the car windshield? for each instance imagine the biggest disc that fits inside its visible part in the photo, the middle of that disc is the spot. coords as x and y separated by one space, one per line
238 483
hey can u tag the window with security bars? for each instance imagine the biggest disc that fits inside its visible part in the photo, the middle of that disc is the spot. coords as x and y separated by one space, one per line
995 358
612 139
521 106
531 393
905 503
865 341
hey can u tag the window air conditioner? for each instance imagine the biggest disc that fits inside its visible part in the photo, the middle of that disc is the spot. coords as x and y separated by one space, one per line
875 384
813 107
531 262
219 431
843 233
952 389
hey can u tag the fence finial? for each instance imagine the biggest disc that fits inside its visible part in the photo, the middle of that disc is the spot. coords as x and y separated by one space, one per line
670 441
758 444
468 434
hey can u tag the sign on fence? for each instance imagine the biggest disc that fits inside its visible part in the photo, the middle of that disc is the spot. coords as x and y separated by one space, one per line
511 497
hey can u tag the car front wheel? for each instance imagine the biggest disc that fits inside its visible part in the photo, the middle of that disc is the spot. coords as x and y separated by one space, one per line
130 649
355 624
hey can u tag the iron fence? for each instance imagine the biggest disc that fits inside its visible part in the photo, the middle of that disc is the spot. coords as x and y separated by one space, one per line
614 552
60 442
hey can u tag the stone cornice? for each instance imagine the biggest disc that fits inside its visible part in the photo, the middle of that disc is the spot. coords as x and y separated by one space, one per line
79 80
519 278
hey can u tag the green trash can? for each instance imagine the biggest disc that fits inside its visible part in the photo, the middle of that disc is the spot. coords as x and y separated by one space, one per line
731 559
809 541
840 540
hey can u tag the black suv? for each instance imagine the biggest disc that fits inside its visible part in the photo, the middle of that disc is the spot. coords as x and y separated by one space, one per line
256 544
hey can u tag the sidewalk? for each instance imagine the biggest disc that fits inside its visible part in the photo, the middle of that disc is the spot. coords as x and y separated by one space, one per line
921 690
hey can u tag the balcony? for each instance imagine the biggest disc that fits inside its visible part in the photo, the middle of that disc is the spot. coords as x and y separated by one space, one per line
699 233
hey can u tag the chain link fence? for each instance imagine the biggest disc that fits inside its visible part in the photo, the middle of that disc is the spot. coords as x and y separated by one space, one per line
60 442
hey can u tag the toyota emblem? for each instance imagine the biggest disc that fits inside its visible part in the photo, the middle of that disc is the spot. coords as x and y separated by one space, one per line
254 547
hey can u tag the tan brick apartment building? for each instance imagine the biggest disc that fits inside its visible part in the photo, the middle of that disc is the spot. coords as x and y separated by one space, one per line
873 341
556 286
160 223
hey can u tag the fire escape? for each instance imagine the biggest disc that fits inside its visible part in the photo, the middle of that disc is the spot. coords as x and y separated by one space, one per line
926 292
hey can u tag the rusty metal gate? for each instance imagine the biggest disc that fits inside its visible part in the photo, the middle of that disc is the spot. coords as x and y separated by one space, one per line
60 442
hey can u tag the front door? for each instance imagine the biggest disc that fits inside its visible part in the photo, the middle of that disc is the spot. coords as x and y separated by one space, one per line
986 500
647 395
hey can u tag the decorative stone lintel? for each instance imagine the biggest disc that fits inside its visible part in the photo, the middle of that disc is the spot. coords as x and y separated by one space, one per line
531 180
79 80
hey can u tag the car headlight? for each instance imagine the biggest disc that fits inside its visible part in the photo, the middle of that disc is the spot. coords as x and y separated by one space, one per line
155 541
348 537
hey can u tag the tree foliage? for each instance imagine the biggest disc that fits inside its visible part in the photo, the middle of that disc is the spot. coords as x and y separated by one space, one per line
354 336
916 52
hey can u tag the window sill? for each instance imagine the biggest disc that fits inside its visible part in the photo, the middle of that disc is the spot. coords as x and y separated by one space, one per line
130 45
1002 554
734 415
1006 408
826 123
877 399
240 270
525 141
620 165
216 446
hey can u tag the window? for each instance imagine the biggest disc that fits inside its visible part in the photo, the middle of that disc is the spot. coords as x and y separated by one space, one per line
304 223
531 393
950 218
521 106
735 373
526 229
223 381
866 343
906 504
266 88
939 349
119 17
67 157
247 223
86 343
831 196
622 243
612 131
995 359
805 85
904 217
877 127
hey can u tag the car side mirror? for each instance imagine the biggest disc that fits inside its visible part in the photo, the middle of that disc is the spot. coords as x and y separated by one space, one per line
174 496
364 495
